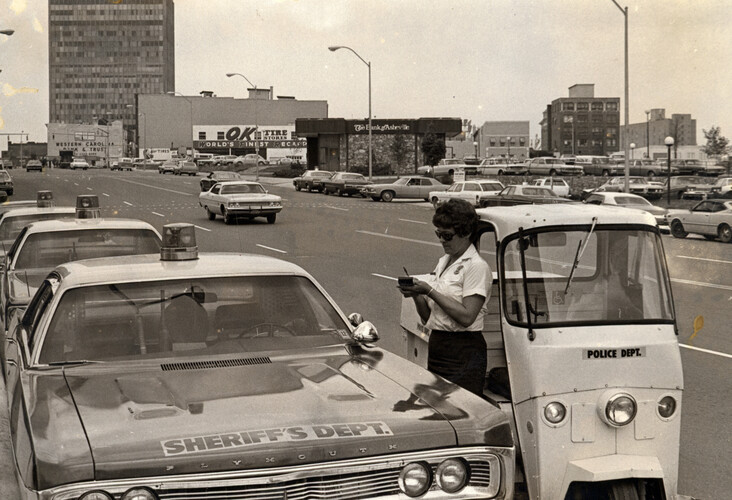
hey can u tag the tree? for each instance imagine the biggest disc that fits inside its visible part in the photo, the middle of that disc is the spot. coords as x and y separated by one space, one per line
717 144
433 149
399 150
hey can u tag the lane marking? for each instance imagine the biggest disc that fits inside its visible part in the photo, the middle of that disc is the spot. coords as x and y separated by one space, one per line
383 276
202 228
105 194
699 283
128 203
76 183
336 208
705 259
155 187
159 215
723 354
414 221
90 189
270 248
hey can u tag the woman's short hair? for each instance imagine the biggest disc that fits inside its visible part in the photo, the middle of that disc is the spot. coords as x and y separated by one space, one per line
456 214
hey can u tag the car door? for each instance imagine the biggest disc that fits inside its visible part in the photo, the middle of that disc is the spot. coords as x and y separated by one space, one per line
471 192
425 186
698 220
213 197
715 217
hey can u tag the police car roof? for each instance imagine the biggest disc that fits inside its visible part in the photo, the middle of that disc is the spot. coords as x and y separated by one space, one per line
17 212
46 226
138 268
507 220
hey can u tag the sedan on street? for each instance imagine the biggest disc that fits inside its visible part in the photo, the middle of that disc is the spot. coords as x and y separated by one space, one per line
234 199
167 167
185 167
37 165
311 180
248 160
473 191
416 187
710 218
6 182
342 183
218 176
628 200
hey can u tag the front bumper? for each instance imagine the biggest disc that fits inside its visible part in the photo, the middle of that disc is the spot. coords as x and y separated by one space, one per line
253 209
491 476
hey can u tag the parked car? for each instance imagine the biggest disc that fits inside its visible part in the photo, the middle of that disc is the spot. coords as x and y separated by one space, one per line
344 183
249 160
628 200
167 167
471 160
122 164
636 185
598 165
231 376
311 180
415 187
523 194
689 166
234 199
221 160
548 165
688 186
218 176
473 191
720 189
36 165
710 218
648 168
185 168
501 166
146 164
556 184
6 182
446 168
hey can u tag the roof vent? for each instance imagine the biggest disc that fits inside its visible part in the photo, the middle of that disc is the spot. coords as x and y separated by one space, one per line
179 242
87 206
44 199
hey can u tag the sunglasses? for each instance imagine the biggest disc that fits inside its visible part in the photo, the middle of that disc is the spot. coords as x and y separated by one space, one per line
444 235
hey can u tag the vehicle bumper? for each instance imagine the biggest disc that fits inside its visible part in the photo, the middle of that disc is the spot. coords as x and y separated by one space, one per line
253 211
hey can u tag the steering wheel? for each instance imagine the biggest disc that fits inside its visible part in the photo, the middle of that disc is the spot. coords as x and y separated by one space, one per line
267 329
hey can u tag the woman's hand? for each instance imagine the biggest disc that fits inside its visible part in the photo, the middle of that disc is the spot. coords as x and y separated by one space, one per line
419 288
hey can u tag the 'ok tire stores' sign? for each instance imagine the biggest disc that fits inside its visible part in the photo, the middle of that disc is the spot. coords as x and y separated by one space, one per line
248 136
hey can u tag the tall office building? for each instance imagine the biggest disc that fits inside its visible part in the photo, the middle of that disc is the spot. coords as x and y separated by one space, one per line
102 53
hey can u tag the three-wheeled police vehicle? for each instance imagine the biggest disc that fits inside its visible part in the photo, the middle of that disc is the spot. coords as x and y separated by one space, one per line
582 349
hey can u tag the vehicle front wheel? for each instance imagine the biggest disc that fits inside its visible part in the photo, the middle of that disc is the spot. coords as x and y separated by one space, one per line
500 172
387 196
271 218
650 173
10 192
725 233
552 172
606 173
339 192
297 187
677 229
228 219
211 215
435 201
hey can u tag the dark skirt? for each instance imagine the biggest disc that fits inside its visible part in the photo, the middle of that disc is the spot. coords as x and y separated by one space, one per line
460 357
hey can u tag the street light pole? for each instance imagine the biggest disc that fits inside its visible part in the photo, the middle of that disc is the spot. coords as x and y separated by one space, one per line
144 137
627 106
508 143
648 134
669 141
256 119
333 48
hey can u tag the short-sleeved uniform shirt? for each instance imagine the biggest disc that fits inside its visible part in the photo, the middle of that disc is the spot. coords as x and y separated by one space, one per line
468 275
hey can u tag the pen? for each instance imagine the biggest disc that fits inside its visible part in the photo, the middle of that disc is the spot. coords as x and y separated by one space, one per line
405 270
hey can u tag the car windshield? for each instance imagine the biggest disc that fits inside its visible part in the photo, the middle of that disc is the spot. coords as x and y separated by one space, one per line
320 174
191 317
226 175
620 277
629 200
241 189
5 176
48 250
10 226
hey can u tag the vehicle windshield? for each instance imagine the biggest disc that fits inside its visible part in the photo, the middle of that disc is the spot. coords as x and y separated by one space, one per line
5 176
10 226
620 278
242 188
48 250
629 200
191 317
226 175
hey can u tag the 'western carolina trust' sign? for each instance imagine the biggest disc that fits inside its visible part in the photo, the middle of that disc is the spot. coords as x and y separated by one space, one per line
380 127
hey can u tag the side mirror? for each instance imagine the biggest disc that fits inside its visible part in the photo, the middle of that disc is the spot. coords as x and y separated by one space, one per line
365 333
355 319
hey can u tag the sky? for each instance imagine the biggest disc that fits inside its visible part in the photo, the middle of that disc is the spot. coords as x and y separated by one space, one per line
483 60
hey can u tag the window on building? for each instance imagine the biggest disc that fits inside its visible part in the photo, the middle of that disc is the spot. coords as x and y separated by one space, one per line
611 106
522 141
611 131
568 118
581 117
567 143
493 141
568 106
611 142
597 106
503 141
583 106
596 130
202 136
220 135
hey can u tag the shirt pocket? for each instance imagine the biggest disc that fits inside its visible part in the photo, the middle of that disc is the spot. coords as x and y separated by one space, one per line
452 285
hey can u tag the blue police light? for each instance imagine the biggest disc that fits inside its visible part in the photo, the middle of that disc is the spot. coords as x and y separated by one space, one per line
179 242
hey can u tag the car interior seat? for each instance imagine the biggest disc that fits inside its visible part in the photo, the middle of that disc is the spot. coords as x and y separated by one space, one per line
187 323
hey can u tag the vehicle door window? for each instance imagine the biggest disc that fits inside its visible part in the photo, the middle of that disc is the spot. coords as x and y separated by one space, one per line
216 189
510 190
471 186
716 207
36 308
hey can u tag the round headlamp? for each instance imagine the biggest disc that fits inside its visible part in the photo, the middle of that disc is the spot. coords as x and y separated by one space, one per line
555 412
415 479
666 406
96 495
452 475
139 494
620 409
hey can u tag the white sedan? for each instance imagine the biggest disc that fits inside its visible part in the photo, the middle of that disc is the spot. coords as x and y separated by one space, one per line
474 191
710 218
78 163
556 184
235 199
629 200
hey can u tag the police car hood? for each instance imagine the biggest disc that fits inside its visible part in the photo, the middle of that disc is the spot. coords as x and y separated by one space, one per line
22 285
281 409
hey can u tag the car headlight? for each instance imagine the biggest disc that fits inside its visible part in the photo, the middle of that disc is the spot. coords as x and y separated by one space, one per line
452 475
96 495
415 479
233 204
666 406
555 412
620 409
139 494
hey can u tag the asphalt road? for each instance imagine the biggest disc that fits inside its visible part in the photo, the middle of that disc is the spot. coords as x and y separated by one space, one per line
355 248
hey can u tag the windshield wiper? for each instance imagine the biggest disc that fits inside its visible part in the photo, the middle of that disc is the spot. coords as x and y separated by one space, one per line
77 362
580 251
